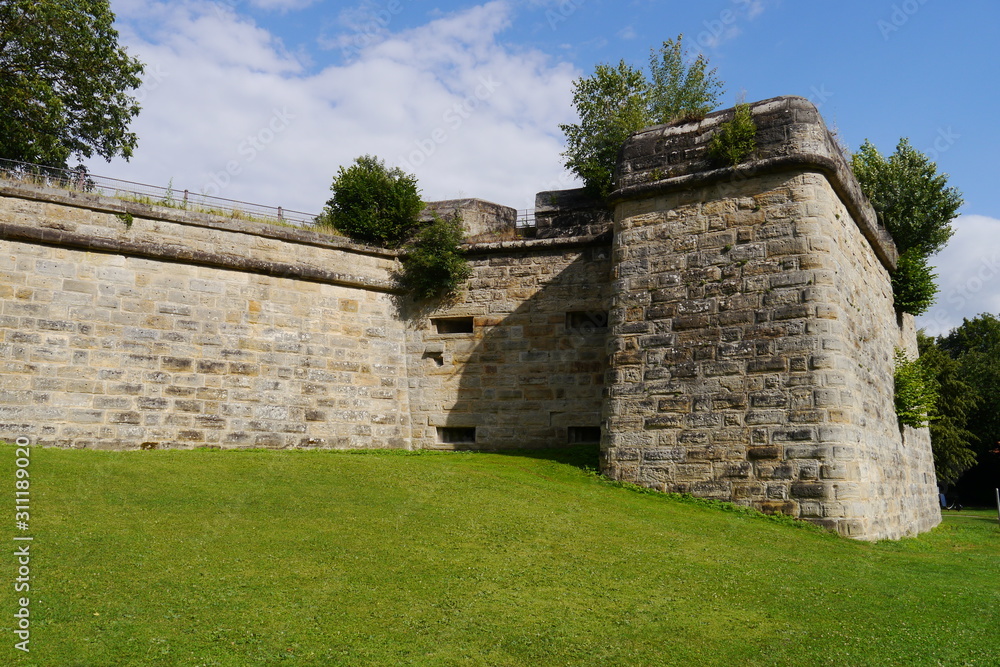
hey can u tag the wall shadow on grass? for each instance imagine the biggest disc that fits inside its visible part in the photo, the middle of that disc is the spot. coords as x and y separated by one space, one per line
585 457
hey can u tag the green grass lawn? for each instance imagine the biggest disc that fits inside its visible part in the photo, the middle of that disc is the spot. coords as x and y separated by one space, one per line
326 558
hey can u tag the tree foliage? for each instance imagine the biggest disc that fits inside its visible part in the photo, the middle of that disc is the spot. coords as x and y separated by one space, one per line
952 442
679 87
373 204
976 346
913 283
616 101
911 199
736 138
916 206
915 391
612 104
64 82
434 264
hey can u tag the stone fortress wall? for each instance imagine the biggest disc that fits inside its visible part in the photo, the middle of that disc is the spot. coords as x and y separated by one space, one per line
725 332
180 330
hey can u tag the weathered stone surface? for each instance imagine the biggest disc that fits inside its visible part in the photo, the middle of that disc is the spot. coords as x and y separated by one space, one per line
186 330
570 213
804 339
479 217
529 369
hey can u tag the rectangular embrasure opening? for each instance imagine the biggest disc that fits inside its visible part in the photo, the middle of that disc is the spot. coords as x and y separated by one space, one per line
584 435
453 325
586 321
453 435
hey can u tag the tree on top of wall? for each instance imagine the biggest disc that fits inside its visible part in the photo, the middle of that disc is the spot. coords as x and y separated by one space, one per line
372 203
616 101
916 206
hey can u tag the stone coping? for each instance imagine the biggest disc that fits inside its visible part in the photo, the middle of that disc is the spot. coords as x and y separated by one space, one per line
791 136
553 243
113 205
173 252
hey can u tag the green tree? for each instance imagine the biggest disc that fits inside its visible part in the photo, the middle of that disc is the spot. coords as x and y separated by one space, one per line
975 345
911 199
434 264
679 87
373 204
614 102
916 206
914 285
952 442
915 391
64 82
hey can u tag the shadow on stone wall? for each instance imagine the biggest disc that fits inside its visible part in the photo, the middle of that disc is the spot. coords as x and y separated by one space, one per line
518 361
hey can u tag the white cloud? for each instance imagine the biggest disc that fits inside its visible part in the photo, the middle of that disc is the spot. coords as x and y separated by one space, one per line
227 109
968 274
753 8
282 5
627 33
726 26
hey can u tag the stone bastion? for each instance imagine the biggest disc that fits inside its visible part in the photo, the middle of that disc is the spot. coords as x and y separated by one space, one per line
722 331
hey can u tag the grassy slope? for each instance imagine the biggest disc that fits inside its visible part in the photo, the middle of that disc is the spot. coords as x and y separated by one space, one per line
241 558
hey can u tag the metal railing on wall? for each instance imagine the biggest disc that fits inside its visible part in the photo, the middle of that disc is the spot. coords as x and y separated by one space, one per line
526 218
81 180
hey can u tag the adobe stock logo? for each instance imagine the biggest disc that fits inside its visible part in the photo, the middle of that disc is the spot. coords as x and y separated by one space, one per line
369 31
562 13
248 150
454 118
946 138
900 16
154 77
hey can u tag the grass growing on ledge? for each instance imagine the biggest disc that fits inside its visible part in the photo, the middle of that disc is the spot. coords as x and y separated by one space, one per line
167 201
326 558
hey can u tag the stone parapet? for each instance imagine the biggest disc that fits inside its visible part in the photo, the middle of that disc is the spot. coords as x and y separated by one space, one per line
570 213
480 218
790 135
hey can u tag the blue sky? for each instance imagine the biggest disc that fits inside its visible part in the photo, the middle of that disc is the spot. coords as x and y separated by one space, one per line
262 100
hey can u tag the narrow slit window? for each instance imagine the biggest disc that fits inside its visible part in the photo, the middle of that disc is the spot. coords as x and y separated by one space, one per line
587 321
584 435
453 325
451 435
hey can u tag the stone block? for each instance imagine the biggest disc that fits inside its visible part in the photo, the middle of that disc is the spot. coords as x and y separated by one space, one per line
778 506
759 453
124 418
811 491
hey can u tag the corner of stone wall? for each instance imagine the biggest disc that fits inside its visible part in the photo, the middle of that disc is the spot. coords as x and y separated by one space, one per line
752 330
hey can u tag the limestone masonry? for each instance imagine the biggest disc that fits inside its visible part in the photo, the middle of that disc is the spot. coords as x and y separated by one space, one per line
727 332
